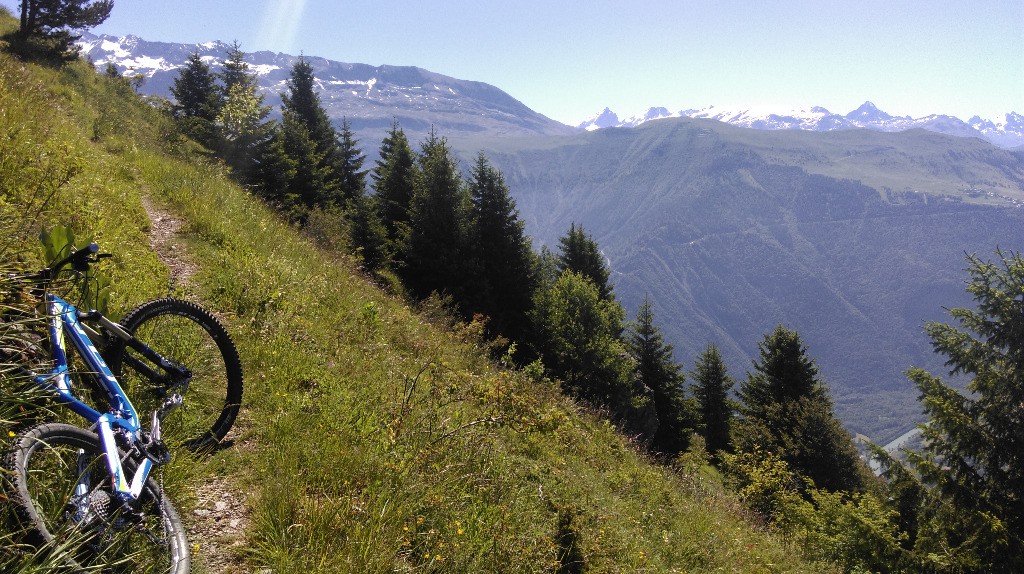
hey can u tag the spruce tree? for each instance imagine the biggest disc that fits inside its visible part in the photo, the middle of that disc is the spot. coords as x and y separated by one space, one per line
435 256
582 348
273 169
580 253
973 460
307 186
197 101
711 387
368 234
502 258
393 180
235 71
352 176
656 370
787 410
242 120
47 27
301 106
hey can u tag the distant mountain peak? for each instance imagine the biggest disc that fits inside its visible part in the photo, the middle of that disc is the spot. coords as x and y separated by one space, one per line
868 112
370 97
1007 132
606 119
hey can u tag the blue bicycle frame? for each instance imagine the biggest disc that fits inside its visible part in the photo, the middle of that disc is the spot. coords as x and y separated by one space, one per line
64 320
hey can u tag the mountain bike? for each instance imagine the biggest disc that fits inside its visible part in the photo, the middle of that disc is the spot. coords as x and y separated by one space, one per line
96 486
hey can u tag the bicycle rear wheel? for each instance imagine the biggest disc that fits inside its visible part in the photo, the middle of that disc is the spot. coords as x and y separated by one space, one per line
61 490
189 336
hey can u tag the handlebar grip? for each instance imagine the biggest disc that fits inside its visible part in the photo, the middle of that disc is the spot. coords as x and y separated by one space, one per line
79 260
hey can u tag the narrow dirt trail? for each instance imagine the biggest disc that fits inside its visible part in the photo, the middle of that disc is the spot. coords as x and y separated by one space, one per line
218 523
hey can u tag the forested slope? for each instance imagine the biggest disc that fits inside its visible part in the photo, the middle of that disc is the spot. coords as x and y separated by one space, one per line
373 438
853 238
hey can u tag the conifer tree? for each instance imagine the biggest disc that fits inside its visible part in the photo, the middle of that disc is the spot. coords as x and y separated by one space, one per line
582 347
197 101
368 234
788 411
580 253
307 186
242 118
320 183
51 24
784 373
304 103
273 169
711 386
235 71
393 180
352 176
502 258
435 257
973 461
656 370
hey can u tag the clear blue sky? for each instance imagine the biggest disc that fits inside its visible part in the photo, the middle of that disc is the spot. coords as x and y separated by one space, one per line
570 59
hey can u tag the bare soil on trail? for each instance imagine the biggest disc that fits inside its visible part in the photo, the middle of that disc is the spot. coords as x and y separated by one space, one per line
217 524
163 238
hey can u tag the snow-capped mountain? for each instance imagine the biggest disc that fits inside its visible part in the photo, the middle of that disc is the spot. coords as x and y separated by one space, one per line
370 97
1007 132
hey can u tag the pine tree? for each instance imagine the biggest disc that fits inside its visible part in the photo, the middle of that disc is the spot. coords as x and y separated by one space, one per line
368 234
321 182
711 386
973 461
784 374
393 178
235 71
197 102
350 165
788 411
242 118
273 169
435 257
306 187
580 253
502 258
582 348
47 26
656 370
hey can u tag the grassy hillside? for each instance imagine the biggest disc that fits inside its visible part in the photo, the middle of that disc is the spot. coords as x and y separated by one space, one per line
372 438
853 238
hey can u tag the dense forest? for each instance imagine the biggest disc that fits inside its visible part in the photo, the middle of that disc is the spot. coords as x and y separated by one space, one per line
449 241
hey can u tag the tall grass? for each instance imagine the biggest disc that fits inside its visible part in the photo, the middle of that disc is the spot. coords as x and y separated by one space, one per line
371 439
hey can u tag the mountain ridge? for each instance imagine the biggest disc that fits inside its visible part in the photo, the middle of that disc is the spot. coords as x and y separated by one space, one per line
854 238
627 186
1007 132
370 97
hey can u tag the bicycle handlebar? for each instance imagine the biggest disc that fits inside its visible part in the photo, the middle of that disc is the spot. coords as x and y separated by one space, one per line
79 261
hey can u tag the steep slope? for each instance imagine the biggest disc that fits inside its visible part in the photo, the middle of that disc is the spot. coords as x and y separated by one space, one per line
854 238
371 439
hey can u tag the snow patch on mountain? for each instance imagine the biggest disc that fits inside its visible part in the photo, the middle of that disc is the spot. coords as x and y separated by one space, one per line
370 97
1007 132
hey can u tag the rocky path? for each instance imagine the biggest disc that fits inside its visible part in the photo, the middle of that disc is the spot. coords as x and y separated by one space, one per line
217 525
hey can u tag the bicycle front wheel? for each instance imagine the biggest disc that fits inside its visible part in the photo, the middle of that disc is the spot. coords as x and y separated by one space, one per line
191 337
62 492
